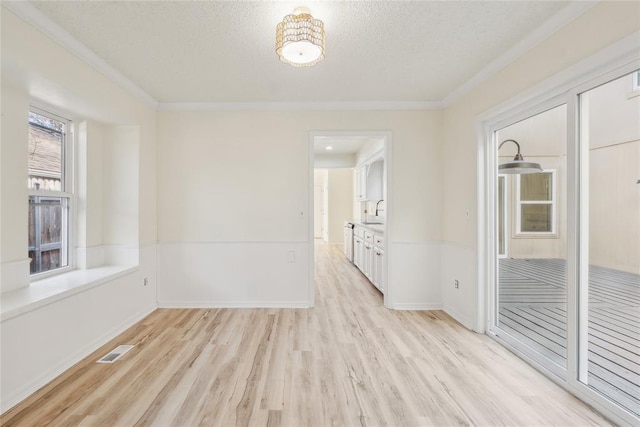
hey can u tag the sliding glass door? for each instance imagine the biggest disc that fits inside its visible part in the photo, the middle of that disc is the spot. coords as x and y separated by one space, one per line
563 238
610 240
532 251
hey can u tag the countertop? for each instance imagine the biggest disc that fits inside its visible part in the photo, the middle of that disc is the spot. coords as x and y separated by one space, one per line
376 228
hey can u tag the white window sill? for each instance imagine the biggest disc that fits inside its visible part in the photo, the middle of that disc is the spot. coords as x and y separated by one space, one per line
538 235
52 289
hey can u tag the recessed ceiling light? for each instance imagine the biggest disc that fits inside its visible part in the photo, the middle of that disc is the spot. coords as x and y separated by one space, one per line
328 147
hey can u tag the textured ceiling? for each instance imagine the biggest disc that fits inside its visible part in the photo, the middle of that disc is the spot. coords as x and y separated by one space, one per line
341 144
223 51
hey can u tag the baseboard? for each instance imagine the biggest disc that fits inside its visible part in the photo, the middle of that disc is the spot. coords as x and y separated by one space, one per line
27 390
233 304
467 323
417 306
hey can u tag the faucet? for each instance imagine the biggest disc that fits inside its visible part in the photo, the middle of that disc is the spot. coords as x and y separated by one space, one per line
377 206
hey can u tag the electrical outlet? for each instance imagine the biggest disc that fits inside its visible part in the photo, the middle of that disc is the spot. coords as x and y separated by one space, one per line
291 256
456 284
146 281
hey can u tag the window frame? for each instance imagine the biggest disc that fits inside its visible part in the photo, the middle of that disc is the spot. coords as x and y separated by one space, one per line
503 213
67 191
518 211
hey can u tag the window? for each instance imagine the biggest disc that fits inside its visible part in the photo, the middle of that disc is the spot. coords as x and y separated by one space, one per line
49 192
535 211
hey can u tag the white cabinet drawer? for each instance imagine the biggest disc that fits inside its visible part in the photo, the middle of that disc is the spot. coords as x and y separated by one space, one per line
368 237
378 241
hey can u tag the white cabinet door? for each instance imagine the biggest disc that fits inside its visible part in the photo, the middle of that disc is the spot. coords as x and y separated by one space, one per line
358 249
367 260
378 269
348 243
368 255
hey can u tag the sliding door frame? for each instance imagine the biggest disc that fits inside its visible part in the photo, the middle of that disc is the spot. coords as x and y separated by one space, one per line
565 88
578 379
491 190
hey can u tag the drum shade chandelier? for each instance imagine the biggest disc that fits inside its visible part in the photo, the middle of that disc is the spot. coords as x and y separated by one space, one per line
517 166
300 39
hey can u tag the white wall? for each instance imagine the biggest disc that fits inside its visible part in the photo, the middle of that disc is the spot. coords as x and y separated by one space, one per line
39 344
320 178
614 207
368 149
334 160
89 173
613 111
225 184
583 37
121 189
340 203
14 157
613 114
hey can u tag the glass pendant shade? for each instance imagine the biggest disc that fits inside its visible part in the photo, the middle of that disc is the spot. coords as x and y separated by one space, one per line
300 39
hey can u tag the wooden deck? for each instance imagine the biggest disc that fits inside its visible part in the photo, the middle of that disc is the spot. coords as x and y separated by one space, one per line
532 300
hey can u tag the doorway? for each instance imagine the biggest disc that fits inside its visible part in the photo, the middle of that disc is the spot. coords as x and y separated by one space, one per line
348 152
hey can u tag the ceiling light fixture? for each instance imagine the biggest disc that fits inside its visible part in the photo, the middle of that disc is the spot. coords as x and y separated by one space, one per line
517 165
329 147
300 39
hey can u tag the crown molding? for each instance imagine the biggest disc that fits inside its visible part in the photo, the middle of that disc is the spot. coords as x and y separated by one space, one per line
37 19
622 56
299 106
558 21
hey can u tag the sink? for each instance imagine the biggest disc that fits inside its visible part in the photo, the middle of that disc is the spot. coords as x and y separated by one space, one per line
373 223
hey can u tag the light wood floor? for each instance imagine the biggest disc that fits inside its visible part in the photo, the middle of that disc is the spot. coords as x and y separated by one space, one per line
346 362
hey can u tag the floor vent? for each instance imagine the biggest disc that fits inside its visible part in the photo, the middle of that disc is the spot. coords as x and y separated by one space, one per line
115 354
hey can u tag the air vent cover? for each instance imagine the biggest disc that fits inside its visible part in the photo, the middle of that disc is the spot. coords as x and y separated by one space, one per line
115 354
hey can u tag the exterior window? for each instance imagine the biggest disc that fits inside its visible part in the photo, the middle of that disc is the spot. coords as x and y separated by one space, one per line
49 192
535 213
